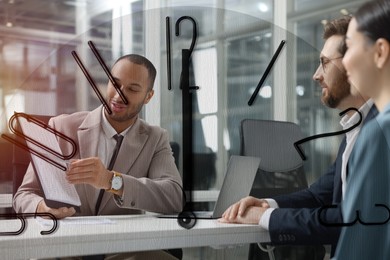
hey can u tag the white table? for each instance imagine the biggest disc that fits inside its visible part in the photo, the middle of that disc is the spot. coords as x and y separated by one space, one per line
128 233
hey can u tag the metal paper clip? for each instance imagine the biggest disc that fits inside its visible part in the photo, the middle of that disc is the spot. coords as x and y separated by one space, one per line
357 218
22 226
22 216
39 123
342 113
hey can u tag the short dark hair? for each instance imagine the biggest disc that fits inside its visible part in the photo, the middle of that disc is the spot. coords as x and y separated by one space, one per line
141 60
373 19
338 27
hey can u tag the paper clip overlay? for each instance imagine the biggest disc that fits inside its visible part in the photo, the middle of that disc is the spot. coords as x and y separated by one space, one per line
307 139
19 133
22 217
357 218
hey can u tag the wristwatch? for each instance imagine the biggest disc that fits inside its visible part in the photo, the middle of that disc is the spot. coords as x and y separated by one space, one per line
116 182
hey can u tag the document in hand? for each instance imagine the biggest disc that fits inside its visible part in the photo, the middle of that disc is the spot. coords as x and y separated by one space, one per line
56 188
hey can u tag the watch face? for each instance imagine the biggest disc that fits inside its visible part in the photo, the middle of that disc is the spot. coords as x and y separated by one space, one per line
116 183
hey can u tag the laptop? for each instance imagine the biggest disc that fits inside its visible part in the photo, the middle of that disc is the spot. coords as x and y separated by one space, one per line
240 174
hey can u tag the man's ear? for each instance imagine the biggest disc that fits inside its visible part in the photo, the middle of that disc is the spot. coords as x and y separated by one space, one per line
382 52
149 96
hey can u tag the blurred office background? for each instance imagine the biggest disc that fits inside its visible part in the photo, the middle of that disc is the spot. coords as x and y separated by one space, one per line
236 41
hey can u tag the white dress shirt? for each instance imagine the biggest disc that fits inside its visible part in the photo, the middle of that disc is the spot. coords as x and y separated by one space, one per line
346 122
107 144
107 140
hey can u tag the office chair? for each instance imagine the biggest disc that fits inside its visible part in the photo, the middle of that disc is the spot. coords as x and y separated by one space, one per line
281 167
205 172
5 166
280 172
175 152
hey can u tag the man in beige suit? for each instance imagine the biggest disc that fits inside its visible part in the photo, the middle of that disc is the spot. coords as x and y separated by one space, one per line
144 176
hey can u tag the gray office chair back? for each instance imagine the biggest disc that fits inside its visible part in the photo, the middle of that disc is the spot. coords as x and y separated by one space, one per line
281 168
273 142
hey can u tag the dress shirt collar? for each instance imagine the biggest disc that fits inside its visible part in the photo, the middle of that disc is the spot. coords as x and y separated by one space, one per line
348 121
108 130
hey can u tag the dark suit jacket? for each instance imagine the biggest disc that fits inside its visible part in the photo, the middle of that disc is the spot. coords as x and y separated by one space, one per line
368 193
297 219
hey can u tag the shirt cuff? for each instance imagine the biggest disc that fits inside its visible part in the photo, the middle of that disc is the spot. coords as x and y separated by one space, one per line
272 203
264 220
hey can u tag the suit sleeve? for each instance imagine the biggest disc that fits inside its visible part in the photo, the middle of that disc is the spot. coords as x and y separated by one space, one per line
161 190
29 194
297 220
318 194
304 226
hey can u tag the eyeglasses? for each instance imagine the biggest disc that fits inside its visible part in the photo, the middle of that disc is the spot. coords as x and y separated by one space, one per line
325 61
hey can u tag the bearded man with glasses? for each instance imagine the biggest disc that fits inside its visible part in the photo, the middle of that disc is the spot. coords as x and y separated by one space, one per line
297 218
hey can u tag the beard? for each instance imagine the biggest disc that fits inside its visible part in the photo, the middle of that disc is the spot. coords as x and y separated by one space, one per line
125 117
332 98
128 115
121 118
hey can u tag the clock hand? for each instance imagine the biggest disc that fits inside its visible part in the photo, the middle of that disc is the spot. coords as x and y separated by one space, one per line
267 70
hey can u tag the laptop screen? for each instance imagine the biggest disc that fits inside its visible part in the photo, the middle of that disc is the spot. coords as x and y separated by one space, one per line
240 174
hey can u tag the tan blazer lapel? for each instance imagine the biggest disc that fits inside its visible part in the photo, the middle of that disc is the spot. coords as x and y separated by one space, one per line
88 134
131 147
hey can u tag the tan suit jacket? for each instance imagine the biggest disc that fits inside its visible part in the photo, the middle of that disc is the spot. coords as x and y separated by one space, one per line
151 179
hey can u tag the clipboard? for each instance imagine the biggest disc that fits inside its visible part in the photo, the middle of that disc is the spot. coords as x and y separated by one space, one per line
47 160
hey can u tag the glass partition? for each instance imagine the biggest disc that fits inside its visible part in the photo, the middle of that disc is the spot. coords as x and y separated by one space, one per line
235 43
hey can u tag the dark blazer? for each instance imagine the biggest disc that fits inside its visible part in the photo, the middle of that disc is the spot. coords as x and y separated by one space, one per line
297 219
368 193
